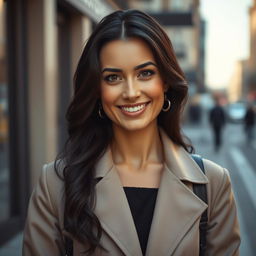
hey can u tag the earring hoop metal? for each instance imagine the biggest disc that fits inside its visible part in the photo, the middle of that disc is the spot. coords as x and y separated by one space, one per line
99 112
165 109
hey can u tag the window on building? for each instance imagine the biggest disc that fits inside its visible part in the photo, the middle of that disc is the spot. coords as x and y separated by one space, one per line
179 5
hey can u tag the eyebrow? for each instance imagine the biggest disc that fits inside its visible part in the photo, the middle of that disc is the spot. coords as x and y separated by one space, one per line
143 65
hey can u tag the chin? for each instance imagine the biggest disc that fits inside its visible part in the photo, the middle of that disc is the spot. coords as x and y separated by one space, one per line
133 128
136 126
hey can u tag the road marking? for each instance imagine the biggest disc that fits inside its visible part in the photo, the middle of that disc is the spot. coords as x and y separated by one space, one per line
246 172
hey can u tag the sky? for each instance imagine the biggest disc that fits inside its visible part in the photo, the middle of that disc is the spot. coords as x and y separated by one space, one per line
227 38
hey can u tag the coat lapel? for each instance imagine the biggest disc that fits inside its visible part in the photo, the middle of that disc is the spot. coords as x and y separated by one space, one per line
176 210
113 210
177 207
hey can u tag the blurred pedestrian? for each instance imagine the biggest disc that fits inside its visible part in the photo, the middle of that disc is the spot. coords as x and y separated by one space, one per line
249 121
217 120
123 184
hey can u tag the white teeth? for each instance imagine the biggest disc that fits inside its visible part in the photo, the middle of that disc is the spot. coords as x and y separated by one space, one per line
133 109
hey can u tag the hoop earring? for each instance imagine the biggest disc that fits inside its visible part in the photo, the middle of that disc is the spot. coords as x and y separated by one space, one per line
99 112
165 109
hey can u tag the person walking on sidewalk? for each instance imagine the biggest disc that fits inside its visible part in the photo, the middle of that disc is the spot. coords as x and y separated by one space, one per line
249 121
217 120
123 184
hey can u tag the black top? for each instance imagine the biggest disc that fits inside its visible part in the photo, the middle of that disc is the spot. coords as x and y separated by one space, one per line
142 204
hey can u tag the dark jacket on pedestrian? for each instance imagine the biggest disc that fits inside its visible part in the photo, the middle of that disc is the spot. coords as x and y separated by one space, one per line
217 116
249 119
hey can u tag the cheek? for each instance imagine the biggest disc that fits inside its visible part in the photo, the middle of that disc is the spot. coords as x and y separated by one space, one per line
108 95
107 98
157 90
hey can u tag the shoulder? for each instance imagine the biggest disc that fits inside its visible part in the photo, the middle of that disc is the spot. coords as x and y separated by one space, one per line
219 181
214 171
52 173
52 183
44 229
223 230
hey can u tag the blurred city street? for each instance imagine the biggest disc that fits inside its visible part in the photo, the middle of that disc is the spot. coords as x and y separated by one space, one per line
239 158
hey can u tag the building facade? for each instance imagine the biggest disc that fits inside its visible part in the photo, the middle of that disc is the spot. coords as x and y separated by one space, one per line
40 43
242 86
237 88
252 58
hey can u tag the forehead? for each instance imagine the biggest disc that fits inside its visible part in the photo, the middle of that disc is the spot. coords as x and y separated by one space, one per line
125 53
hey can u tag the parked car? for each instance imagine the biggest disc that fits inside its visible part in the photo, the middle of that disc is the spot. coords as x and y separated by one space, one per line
236 112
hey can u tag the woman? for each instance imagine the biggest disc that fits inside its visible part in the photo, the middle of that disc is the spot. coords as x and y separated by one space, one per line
124 181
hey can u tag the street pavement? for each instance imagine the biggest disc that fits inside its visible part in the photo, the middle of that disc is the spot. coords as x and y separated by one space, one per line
238 157
13 247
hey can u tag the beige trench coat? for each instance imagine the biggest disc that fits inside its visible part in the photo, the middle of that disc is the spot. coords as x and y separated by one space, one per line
175 224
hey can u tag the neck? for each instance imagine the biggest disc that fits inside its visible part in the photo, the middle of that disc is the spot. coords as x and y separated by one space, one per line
137 148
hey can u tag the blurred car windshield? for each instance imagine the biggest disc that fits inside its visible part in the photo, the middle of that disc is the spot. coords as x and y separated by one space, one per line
236 111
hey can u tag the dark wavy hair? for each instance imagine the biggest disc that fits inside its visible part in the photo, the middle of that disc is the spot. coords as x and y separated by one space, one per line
90 135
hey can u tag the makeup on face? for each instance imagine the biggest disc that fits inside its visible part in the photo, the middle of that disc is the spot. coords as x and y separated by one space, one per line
115 75
132 91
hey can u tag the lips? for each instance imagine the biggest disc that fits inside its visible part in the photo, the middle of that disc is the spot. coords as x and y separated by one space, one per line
133 108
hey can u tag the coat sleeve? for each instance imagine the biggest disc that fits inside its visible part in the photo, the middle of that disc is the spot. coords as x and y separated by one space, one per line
223 236
42 234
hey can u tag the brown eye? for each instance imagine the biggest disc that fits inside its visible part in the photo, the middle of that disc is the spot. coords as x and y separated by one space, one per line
146 73
112 78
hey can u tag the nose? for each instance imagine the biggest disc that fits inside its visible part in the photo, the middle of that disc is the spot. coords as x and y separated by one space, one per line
131 90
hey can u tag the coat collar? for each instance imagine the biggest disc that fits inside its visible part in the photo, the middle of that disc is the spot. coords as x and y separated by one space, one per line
105 164
168 225
177 160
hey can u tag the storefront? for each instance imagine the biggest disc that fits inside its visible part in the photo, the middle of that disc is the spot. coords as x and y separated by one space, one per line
40 43
14 133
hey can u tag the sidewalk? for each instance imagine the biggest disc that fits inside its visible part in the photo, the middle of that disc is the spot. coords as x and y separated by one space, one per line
12 247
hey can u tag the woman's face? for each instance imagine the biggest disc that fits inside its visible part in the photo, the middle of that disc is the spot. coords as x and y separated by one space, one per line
132 91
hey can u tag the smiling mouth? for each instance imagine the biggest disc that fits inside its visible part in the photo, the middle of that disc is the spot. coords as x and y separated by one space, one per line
134 108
